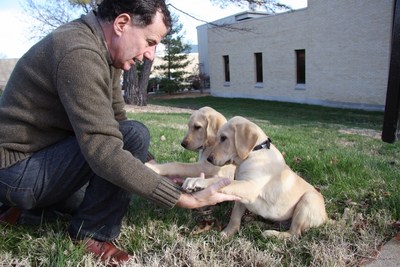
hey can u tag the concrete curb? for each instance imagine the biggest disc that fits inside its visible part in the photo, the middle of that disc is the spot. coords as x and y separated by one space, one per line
389 256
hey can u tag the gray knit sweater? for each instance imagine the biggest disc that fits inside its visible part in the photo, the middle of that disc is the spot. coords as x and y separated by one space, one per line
63 86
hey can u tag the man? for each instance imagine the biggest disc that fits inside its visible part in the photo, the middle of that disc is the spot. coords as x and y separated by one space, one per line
63 126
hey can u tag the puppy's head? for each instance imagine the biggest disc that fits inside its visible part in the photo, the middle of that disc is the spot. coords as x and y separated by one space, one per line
203 126
235 140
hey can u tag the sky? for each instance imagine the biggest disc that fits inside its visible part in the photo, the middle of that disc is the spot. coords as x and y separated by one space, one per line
14 28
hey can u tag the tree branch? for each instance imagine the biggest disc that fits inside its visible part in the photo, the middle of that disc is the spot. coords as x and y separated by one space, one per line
224 26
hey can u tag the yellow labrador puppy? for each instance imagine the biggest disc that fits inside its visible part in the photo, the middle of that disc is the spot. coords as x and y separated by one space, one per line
267 186
203 126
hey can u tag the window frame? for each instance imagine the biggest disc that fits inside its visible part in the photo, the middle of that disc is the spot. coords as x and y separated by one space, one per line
258 61
227 75
300 67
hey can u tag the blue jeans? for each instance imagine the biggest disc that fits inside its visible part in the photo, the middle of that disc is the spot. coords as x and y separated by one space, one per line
58 179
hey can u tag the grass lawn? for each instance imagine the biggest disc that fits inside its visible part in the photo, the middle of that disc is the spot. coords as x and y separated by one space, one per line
336 150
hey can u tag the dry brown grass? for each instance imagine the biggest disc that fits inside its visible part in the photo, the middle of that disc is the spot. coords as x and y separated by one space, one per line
348 241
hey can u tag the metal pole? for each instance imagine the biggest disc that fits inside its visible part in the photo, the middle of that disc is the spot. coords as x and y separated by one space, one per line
391 122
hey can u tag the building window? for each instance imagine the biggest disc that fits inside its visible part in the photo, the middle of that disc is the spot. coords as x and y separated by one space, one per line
259 67
226 69
301 66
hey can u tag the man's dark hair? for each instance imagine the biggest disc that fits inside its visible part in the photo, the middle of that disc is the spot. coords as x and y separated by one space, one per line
142 11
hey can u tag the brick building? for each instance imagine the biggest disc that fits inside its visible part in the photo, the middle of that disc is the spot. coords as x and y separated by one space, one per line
332 53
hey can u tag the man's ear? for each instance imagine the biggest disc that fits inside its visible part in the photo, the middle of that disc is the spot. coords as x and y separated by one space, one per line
121 22
245 139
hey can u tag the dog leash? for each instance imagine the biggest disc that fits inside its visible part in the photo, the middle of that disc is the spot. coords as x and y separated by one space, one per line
265 144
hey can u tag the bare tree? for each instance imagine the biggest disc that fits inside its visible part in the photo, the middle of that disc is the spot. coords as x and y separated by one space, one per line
48 15
135 83
85 5
223 26
272 6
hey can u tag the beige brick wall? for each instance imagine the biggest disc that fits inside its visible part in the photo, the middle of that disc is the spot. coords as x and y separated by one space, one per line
347 46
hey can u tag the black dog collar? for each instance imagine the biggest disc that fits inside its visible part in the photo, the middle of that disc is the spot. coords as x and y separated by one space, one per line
265 144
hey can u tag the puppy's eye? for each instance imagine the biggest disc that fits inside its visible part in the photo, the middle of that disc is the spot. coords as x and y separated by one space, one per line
222 139
197 127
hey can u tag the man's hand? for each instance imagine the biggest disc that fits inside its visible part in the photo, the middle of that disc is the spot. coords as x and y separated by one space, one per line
207 197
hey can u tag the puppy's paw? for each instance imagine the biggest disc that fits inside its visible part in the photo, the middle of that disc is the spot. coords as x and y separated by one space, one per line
276 234
227 233
224 235
194 184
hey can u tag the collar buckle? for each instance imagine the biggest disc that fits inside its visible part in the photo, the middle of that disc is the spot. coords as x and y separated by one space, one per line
265 144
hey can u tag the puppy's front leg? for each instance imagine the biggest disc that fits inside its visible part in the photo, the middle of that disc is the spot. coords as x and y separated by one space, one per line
247 190
235 220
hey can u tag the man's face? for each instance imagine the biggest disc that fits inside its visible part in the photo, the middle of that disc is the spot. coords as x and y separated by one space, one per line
130 42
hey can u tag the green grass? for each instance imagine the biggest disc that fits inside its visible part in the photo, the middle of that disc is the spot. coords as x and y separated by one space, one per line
337 150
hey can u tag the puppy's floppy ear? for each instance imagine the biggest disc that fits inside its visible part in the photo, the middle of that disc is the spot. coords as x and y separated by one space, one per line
245 139
214 122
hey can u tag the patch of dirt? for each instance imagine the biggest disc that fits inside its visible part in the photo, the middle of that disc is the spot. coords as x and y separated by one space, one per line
363 132
166 109
156 109
184 94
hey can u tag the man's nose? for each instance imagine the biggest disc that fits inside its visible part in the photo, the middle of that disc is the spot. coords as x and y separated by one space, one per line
150 53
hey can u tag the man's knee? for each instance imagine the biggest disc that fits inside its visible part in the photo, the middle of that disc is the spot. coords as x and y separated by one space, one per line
136 138
134 128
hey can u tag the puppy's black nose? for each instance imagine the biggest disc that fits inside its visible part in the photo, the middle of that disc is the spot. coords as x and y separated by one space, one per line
210 159
183 144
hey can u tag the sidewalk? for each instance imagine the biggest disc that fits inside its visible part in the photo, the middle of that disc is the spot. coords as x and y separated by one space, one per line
389 256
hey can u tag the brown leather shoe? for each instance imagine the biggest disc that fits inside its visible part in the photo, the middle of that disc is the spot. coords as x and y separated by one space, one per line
106 251
10 215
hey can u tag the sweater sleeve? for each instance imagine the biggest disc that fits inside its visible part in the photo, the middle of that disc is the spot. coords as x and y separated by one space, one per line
85 87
